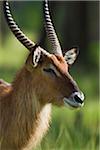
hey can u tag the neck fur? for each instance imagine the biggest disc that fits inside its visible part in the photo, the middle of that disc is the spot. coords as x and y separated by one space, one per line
30 119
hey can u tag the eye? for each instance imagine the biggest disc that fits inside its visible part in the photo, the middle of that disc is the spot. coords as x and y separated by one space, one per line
50 71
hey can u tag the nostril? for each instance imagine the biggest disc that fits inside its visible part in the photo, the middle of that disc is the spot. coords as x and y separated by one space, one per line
78 99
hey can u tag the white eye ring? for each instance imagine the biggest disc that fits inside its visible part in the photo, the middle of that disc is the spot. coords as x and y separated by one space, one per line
49 70
55 70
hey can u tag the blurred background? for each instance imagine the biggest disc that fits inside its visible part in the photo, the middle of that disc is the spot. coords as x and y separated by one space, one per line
77 24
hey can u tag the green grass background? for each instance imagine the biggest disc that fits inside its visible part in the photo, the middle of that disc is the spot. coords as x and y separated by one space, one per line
69 129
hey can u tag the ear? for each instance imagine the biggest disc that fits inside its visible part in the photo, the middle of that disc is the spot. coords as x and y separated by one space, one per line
70 55
36 54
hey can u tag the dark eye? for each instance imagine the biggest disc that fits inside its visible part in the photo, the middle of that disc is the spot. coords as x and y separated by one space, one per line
49 70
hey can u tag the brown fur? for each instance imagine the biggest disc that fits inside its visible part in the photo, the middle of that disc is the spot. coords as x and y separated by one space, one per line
25 105
20 116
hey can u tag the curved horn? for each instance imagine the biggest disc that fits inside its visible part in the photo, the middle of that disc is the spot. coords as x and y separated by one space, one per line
15 29
50 30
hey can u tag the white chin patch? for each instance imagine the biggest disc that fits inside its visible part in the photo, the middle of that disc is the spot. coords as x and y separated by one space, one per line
70 103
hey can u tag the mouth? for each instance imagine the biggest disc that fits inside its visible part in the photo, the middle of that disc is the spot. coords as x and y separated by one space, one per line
74 101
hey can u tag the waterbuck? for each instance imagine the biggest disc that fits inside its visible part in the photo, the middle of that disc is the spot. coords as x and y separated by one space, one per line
25 105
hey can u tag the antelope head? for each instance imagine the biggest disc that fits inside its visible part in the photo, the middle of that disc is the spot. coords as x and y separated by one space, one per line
49 71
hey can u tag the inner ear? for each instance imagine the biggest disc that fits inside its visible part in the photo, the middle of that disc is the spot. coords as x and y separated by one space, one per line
36 55
71 55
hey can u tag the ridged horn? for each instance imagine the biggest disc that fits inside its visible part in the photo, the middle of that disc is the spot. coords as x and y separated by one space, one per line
15 29
50 29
